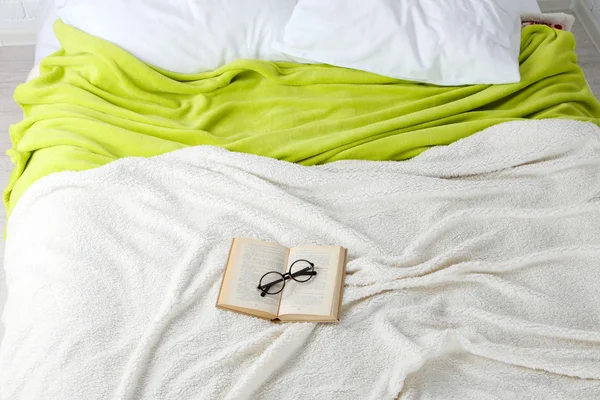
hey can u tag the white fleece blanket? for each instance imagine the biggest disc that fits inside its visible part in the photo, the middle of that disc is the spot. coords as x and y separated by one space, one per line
474 272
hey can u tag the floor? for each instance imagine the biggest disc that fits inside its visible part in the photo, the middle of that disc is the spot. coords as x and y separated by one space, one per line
16 62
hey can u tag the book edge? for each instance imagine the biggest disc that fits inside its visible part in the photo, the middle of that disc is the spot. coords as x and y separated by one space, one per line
225 271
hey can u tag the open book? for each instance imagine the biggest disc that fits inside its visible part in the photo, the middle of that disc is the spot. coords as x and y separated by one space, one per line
313 294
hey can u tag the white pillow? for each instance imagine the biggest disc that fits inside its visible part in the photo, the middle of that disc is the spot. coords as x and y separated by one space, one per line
184 36
445 42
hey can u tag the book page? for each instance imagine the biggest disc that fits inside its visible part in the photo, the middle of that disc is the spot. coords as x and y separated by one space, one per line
250 259
314 297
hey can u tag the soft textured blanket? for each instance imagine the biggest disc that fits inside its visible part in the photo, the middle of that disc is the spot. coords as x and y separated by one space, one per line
95 103
473 273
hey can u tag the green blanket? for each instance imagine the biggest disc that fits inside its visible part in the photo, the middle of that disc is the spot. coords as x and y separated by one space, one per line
95 103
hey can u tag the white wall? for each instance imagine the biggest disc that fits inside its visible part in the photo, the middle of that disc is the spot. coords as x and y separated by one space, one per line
18 11
18 21
588 12
594 5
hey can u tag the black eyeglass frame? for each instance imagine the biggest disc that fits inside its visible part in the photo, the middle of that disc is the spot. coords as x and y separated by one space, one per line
308 271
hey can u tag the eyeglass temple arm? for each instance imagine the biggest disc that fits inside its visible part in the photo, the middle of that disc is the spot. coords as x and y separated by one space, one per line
266 287
304 271
299 273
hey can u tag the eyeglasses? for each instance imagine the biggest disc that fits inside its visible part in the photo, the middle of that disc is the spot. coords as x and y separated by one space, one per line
273 282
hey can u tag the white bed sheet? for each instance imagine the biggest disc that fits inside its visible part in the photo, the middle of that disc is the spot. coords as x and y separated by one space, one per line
472 266
47 42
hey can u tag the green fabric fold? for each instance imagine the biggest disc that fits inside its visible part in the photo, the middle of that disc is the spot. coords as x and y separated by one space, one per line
95 103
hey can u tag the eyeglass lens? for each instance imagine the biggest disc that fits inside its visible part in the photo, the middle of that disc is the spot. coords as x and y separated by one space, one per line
301 271
272 283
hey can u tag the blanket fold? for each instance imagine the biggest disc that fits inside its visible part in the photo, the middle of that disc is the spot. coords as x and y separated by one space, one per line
472 274
94 103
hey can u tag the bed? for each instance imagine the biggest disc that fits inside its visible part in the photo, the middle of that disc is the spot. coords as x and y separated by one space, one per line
471 214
